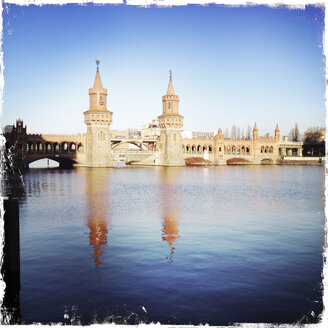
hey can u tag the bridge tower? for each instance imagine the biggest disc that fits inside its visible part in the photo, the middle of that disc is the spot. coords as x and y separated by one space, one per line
98 119
256 145
170 123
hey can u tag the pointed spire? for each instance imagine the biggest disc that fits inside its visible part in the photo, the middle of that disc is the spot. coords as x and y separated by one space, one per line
277 127
170 89
97 85
255 127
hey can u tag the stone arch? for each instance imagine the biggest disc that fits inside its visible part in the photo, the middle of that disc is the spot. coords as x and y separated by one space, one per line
199 148
56 147
271 150
262 149
209 149
193 148
247 150
233 150
39 146
64 146
238 149
266 150
243 149
80 148
204 148
228 149
72 147
30 147
188 149
48 147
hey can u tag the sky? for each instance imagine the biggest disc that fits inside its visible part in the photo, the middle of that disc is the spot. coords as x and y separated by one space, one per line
231 65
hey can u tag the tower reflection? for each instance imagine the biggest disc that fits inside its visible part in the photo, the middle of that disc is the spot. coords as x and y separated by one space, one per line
169 207
98 210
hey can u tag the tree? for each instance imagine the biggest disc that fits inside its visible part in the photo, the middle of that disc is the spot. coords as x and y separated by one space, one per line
226 133
314 142
249 133
294 133
233 134
238 133
267 134
243 133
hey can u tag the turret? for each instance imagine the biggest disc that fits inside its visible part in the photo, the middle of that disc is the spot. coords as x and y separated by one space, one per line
170 124
98 119
98 94
277 133
170 100
255 132
220 134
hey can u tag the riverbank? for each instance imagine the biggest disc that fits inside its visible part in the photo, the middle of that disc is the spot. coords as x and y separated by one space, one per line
315 161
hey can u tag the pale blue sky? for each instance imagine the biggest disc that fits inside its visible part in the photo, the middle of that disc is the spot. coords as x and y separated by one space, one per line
230 65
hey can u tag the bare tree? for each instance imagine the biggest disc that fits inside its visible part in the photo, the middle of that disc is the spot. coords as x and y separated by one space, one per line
233 134
238 133
226 133
267 134
249 133
296 133
242 133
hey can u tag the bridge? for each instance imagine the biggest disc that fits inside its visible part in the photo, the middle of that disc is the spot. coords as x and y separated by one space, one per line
146 143
96 147
69 150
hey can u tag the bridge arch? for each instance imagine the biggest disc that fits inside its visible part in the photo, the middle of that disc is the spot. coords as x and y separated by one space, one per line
136 143
72 147
39 147
48 147
80 148
63 161
64 146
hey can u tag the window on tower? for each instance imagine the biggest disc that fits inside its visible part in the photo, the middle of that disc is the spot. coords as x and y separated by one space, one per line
101 136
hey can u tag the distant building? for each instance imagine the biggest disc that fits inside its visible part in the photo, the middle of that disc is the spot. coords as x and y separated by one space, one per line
120 134
150 130
186 134
134 133
202 135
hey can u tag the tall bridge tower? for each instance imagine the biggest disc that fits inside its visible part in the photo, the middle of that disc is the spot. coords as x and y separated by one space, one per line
98 119
170 123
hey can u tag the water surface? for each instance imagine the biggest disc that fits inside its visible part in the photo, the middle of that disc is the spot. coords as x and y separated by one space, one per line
171 245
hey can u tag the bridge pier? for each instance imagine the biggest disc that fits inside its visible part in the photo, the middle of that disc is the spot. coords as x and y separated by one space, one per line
11 262
66 165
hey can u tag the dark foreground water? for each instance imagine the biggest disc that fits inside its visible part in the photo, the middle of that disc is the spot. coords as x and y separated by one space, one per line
172 245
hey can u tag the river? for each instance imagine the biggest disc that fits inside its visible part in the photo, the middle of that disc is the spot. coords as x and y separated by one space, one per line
189 245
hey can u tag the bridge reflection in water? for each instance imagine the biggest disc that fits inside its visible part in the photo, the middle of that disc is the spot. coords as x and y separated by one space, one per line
169 200
98 210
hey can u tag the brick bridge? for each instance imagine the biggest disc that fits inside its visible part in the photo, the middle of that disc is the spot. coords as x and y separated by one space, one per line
96 148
